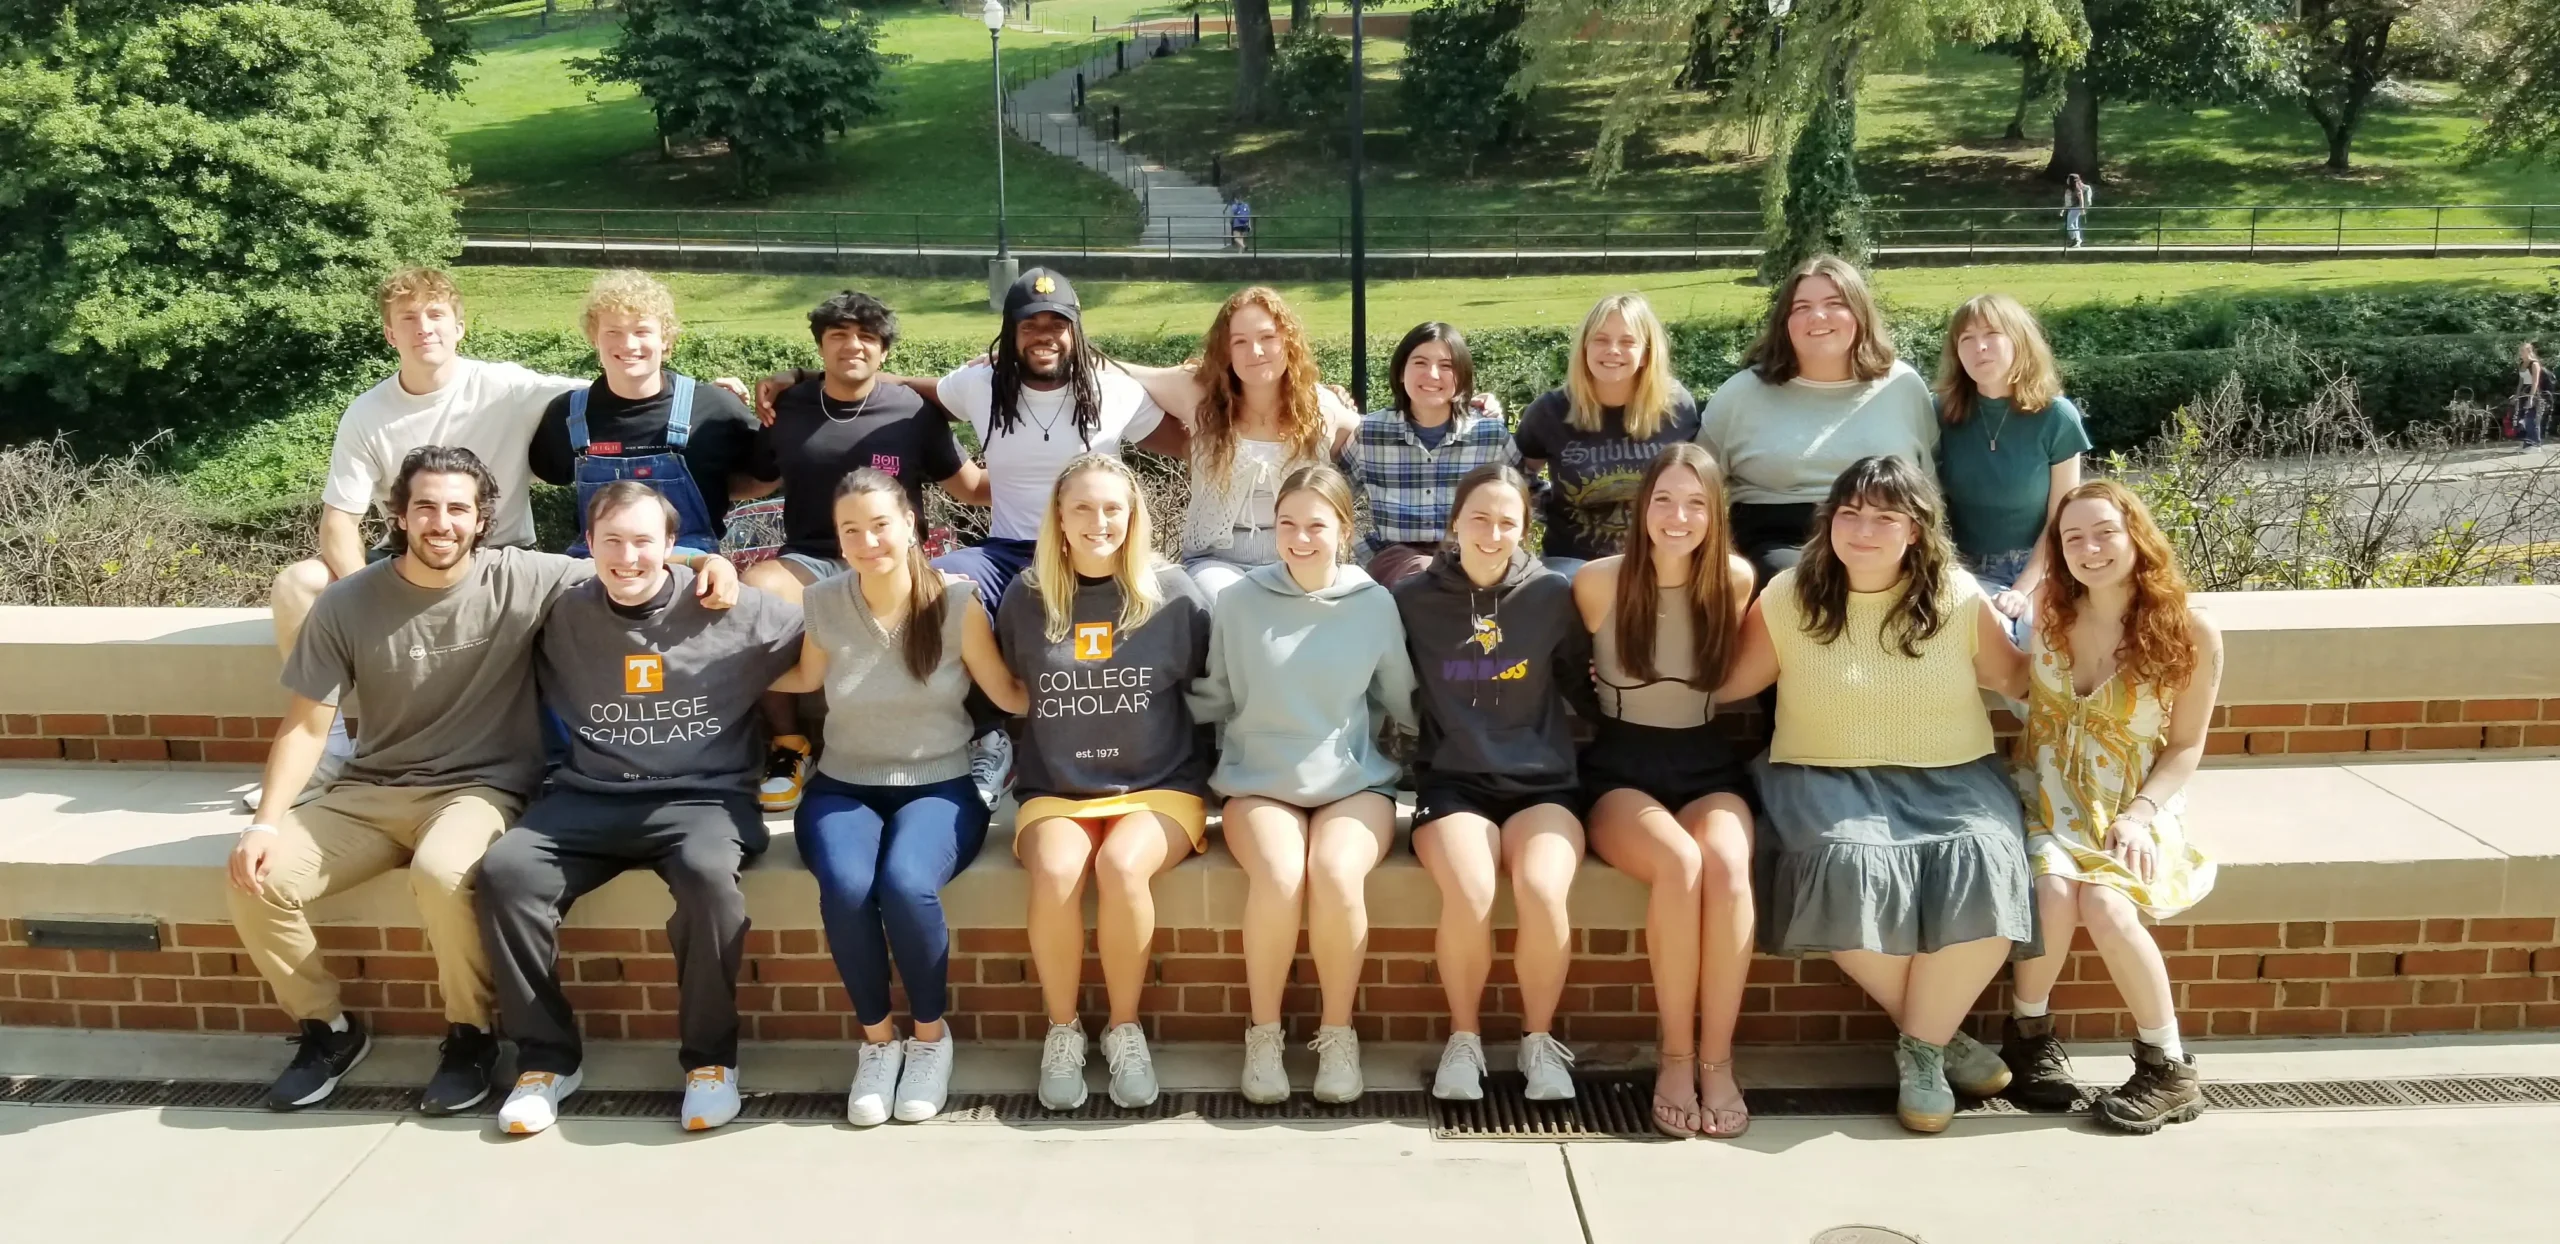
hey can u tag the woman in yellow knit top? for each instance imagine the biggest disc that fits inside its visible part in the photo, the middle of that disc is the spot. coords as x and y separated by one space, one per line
1893 836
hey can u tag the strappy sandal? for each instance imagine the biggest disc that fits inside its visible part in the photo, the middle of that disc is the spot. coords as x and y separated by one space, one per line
1663 1105
1707 1115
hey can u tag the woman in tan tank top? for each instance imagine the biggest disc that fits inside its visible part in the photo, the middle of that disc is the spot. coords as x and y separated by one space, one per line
1669 791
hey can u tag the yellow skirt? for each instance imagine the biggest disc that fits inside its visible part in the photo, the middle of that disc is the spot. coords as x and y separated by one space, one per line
1096 815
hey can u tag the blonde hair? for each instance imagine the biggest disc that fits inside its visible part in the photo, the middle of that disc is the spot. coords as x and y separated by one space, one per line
1302 424
1053 573
1650 405
623 291
1329 486
419 285
1773 354
2033 379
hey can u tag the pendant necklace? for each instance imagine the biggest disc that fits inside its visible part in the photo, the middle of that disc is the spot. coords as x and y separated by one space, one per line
1995 432
1051 422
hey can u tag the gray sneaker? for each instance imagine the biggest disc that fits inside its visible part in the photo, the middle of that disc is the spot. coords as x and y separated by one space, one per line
1266 1081
1062 1067
1975 1069
991 766
1337 1065
1133 1071
1461 1074
1926 1104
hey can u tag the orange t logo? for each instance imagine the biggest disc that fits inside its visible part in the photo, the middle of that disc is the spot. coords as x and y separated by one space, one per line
1093 641
644 674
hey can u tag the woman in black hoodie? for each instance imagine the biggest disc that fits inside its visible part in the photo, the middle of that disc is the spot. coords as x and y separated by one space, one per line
1498 650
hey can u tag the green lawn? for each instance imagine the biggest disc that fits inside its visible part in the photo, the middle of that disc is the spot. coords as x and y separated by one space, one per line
1928 137
531 136
547 298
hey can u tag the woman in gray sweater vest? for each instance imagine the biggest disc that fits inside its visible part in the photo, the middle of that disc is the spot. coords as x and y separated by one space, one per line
1306 664
891 816
1112 771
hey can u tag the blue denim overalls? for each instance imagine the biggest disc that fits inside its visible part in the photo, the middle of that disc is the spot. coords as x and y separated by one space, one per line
664 471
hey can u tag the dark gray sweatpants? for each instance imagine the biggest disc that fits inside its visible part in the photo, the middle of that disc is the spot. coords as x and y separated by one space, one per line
570 842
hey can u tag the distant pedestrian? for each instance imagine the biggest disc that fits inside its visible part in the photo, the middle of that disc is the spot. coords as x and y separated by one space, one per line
2076 198
1239 224
2534 384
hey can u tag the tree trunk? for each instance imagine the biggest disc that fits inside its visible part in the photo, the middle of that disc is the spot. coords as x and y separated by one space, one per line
547 7
1301 12
2075 131
2031 86
1699 72
1253 58
1822 211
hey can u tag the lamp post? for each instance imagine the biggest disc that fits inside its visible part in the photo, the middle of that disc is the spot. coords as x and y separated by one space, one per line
1359 228
1002 269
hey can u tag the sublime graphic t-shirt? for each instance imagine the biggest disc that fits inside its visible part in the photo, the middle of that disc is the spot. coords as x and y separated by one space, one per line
662 697
1595 473
1108 715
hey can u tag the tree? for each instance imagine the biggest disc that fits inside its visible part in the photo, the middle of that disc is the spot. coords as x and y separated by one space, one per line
2345 49
2179 52
771 79
1460 56
448 46
1254 49
1822 211
197 196
2519 84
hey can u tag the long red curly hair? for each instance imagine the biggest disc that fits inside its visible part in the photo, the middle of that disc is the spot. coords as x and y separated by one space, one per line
2159 649
1221 394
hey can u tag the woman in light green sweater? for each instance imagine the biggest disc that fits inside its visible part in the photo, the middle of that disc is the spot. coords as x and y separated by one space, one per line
1307 662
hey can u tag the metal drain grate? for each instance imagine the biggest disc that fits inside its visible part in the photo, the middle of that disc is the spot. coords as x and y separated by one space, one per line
1609 1105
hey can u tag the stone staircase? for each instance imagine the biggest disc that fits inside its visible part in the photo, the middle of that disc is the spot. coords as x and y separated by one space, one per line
1181 214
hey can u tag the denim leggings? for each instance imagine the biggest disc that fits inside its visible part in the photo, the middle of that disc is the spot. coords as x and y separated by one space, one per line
881 855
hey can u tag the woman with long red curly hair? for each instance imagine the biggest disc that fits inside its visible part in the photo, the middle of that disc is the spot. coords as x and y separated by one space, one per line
2122 678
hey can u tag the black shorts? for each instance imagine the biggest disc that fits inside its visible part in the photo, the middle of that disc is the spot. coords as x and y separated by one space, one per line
1676 766
1445 794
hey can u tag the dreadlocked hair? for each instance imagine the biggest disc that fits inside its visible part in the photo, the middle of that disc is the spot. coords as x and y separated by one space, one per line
1083 375
1822 582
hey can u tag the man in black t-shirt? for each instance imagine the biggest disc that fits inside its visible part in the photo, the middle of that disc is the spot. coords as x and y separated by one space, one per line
823 430
623 430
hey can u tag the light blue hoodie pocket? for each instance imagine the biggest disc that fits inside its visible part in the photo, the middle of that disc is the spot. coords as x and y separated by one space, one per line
1308 770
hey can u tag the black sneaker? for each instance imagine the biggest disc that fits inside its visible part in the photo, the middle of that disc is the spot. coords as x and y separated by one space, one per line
2039 1071
463 1066
322 1057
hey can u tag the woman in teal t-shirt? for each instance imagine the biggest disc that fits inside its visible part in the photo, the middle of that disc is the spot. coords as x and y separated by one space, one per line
2009 446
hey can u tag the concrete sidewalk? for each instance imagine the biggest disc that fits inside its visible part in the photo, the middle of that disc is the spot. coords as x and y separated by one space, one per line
2266 1177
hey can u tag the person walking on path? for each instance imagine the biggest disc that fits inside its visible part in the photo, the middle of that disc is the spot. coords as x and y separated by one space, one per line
2123 678
2076 198
1239 224
2534 387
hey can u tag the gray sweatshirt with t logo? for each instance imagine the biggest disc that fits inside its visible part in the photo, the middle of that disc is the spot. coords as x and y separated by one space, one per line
1108 715
661 698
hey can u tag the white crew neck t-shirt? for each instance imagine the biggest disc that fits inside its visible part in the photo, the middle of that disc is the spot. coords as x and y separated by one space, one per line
490 409
1023 465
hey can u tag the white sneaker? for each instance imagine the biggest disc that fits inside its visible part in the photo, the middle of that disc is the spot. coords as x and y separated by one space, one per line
710 1097
1062 1066
926 1082
1133 1070
1461 1075
1549 1067
875 1081
991 766
1266 1082
534 1104
1337 1065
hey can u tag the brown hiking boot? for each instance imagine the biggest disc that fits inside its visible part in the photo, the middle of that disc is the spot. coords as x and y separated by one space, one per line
2039 1071
2160 1093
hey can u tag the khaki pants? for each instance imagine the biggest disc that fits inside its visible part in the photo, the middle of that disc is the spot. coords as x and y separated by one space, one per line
351 835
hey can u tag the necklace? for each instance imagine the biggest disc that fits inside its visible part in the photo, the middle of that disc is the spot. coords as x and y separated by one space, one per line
1043 424
865 404
1996 431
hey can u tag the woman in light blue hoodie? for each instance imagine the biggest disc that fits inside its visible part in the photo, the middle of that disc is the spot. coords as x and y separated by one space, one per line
1306 661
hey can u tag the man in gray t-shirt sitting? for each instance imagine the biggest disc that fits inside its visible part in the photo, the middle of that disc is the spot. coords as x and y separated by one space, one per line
666 746
438 641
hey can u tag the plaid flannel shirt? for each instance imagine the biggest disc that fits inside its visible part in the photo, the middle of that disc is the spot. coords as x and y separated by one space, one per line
1409 487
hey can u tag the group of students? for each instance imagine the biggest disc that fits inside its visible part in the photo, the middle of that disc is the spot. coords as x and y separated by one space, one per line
1827 539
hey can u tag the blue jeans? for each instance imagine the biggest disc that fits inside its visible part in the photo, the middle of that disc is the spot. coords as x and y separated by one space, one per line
993 566
1997 573
881 855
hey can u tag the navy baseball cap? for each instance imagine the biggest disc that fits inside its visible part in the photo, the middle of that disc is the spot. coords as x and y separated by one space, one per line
1041 289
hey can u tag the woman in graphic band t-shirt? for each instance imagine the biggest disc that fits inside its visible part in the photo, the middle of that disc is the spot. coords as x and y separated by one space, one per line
1113 772
1820 389
1596 435
1669 790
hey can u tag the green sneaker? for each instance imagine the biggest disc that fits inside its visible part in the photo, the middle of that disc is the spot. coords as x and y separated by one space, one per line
1974 1068
1926 1103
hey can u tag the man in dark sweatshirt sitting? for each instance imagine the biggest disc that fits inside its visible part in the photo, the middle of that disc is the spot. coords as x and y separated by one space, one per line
665 748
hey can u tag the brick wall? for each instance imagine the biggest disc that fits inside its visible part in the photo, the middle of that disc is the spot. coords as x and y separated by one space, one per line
2393 726
2294 979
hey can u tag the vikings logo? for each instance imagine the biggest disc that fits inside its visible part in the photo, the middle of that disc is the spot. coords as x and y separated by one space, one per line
1488 635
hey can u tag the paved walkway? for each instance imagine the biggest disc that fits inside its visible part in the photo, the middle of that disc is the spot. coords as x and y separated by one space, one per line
78 1175
1181 214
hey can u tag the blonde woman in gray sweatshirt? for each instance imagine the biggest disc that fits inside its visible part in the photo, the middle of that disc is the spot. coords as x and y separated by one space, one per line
1307 662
